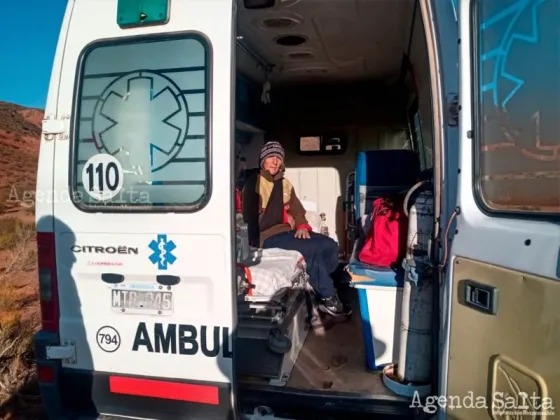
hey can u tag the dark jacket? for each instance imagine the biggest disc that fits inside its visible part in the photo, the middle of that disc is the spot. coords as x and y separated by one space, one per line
267 201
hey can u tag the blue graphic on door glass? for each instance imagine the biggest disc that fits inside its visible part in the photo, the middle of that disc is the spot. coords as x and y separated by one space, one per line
455 6
509 17
121 126
517 126
162 252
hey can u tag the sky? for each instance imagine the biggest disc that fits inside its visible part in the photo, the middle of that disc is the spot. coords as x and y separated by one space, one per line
28 38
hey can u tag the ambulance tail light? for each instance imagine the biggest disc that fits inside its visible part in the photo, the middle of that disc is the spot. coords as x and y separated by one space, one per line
48 282
46 374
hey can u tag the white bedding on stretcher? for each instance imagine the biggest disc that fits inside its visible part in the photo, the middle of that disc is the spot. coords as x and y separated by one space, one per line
273 269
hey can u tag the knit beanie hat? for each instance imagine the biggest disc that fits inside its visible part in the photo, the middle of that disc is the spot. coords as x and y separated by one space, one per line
272 148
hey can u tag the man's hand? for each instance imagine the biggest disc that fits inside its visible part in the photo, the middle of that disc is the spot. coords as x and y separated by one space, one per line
302 233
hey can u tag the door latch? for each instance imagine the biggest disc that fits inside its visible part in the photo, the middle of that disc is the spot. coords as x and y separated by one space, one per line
66 353
453 109
478 296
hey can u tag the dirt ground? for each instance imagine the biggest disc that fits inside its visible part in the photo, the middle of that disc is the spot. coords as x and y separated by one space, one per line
19 318
19 301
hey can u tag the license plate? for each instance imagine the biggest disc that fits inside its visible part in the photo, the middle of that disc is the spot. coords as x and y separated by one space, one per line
151 302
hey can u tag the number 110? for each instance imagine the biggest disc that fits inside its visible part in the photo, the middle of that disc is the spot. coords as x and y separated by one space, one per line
106 178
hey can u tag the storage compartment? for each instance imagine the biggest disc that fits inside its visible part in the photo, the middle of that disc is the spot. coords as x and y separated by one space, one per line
344 105
380 310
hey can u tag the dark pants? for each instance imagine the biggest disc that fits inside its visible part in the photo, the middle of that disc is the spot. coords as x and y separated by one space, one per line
320 253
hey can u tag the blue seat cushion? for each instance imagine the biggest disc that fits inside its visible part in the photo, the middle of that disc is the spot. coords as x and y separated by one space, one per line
387 168
380 173
380 276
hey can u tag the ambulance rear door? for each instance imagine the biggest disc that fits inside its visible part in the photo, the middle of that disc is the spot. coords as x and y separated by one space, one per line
503 265
144 209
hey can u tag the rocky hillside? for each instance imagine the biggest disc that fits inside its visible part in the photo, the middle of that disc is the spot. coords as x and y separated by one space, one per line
20 130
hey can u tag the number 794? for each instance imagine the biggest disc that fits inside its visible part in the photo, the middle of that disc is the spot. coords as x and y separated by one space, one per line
107 338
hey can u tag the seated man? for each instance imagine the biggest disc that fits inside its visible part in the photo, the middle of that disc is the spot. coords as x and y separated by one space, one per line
276 219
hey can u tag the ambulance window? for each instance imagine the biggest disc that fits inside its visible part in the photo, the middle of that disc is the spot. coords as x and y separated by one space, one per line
517 103
141 130
416 134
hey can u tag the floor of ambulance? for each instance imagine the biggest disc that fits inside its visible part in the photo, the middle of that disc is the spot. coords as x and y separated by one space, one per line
334 360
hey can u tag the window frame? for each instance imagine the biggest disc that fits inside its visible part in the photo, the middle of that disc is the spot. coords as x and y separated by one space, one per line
477 132
417 141
74 124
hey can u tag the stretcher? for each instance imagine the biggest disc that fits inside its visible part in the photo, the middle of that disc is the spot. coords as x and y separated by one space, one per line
273 306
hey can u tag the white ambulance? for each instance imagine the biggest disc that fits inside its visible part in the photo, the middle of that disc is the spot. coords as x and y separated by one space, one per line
153 305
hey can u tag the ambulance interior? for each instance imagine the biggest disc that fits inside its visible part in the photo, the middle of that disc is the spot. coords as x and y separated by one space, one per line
345 87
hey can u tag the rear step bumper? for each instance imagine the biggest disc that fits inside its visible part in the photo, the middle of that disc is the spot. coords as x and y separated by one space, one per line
294 404
90 393
73 393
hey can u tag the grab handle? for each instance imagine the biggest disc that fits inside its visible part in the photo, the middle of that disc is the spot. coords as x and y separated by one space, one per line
168 280
112 278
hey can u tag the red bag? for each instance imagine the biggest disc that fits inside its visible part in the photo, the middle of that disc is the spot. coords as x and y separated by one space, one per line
238 208
385 244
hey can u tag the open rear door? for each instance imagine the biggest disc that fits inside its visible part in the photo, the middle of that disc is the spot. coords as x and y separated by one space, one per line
503 265
144 243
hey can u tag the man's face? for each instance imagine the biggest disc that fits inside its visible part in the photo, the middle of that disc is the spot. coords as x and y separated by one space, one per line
272 164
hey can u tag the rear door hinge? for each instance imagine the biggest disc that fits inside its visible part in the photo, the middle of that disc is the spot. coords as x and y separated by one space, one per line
56 129
453 109
66 353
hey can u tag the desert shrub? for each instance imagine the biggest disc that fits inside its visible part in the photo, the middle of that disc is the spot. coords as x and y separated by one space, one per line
14 233
16 339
